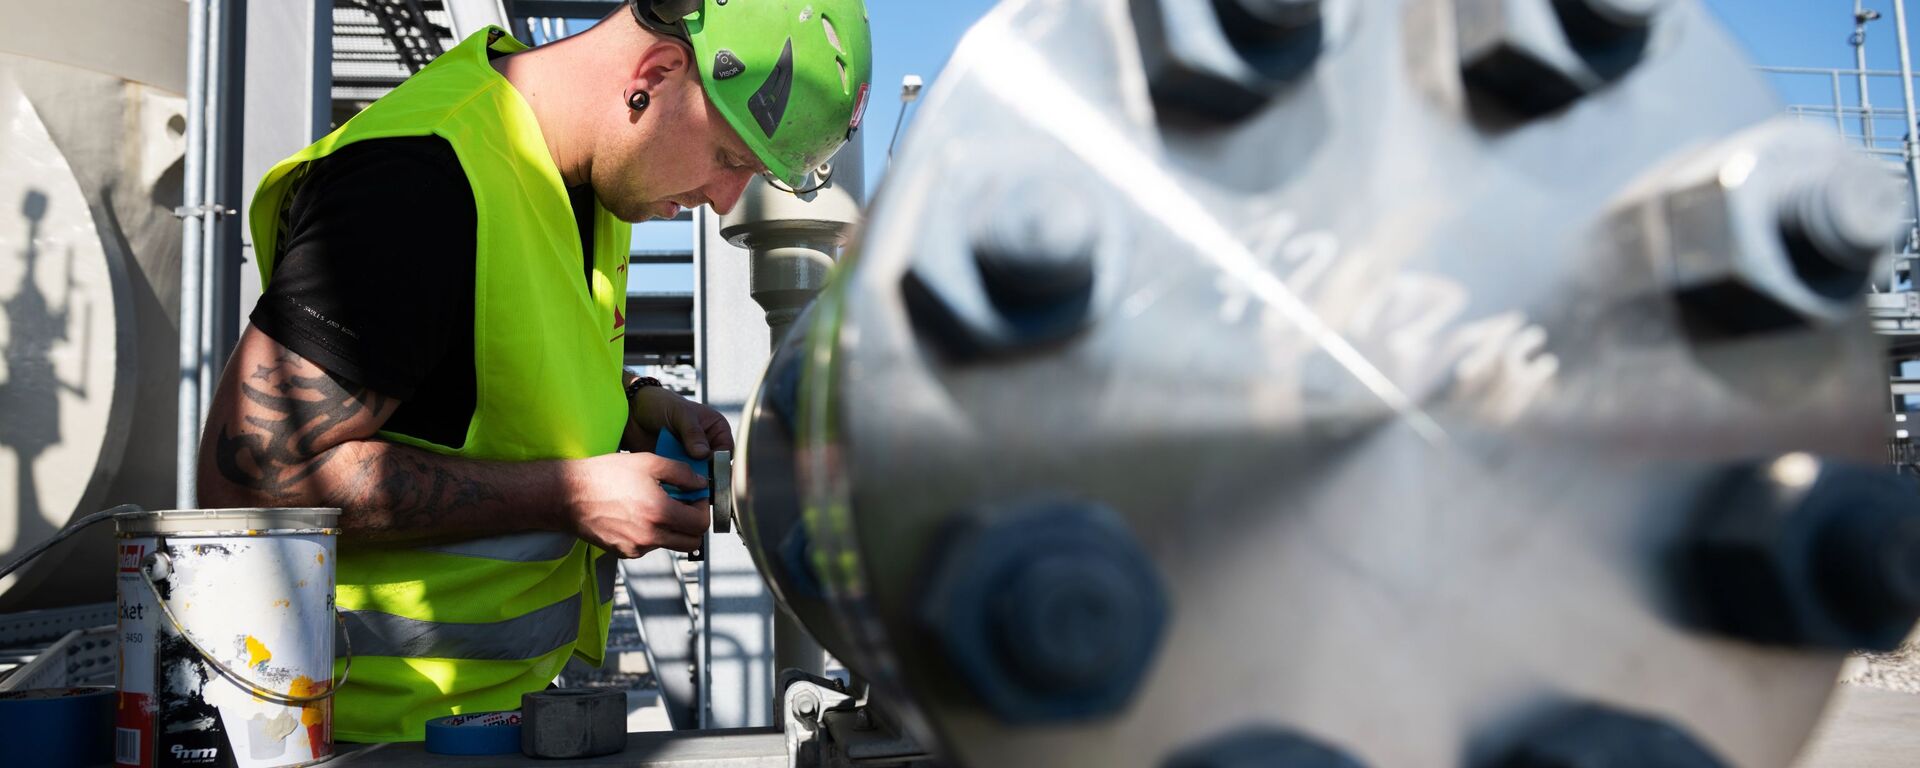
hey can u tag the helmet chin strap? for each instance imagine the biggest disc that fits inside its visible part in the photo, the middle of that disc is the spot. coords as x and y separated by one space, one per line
823 176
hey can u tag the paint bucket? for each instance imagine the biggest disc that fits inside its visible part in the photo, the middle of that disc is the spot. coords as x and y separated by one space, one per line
227 628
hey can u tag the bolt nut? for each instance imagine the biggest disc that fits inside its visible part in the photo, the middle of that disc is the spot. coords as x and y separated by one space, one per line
1591 736
1223 66
1515 53
1026 277
1034 247
1807 553
1049 611
1260 747
1056 615
806 704
1534 56
1252 22
1601 19
1776 229
1844 218
1610 35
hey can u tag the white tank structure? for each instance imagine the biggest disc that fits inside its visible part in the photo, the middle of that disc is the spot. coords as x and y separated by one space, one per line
92 125
1392 383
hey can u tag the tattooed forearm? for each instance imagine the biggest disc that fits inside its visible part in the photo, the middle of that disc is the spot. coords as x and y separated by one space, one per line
288 422
282 432
396 490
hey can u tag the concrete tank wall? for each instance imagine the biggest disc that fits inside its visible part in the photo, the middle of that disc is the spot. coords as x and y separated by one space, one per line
92 124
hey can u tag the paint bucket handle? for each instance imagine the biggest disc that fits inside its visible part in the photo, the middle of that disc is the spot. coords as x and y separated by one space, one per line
158 561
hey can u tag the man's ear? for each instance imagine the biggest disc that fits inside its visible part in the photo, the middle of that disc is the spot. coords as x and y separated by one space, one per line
659 62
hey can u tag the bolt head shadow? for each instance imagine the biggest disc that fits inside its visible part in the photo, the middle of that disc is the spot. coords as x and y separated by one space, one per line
1024 276
1222 62
1515 54
1532 57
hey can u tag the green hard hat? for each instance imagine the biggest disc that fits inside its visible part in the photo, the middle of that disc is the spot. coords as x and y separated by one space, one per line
791 76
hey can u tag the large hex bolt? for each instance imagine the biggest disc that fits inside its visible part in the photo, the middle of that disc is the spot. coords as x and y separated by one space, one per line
1034 245
1807 553
1515 53
1261 747
1592 736
1777 230
1049 611
1610 35
1536 56
1222 67
1600 19
1034 248
1836 227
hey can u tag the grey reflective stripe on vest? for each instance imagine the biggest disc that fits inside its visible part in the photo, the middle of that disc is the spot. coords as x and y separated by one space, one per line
522 637
515 548
603 568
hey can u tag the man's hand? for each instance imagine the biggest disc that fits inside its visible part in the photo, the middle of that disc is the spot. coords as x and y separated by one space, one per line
616 503
702 430
282 432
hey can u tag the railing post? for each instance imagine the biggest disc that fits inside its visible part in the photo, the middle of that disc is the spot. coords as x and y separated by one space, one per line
1839 109
1860 20
1906 88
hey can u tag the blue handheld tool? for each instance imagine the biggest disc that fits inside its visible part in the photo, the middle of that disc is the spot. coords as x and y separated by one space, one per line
667 446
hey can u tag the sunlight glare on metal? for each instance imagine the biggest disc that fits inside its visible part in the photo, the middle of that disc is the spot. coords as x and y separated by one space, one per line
1021 78
1795 470
1738 169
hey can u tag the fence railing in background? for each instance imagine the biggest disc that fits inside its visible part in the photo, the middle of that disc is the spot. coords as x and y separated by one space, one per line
1879 130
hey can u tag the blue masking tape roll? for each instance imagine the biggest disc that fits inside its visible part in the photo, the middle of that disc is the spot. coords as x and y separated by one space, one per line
480 733
666 446
58 727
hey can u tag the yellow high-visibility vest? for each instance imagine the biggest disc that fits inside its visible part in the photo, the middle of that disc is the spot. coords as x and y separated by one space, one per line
472 625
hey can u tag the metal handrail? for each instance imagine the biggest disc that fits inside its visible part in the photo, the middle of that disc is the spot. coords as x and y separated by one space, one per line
1832 70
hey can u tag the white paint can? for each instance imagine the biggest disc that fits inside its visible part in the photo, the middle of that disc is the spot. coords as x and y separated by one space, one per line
226 638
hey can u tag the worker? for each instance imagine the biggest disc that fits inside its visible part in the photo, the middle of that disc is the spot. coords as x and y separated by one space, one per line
438 349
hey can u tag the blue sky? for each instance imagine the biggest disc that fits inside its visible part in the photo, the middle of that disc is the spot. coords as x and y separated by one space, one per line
916 37
1809 33
1815 33
910 37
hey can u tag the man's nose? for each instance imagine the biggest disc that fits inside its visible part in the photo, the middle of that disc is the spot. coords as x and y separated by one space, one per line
725 193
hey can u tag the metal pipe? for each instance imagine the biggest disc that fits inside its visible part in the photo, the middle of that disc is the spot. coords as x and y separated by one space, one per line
1839 122
226 145
792 241
1860 64
216 41
1906 89
703 651
187 437
1824 70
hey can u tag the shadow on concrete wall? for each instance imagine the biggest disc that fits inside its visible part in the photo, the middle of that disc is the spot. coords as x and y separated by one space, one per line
30 395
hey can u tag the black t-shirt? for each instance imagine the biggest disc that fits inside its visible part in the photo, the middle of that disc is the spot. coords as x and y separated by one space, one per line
374 279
